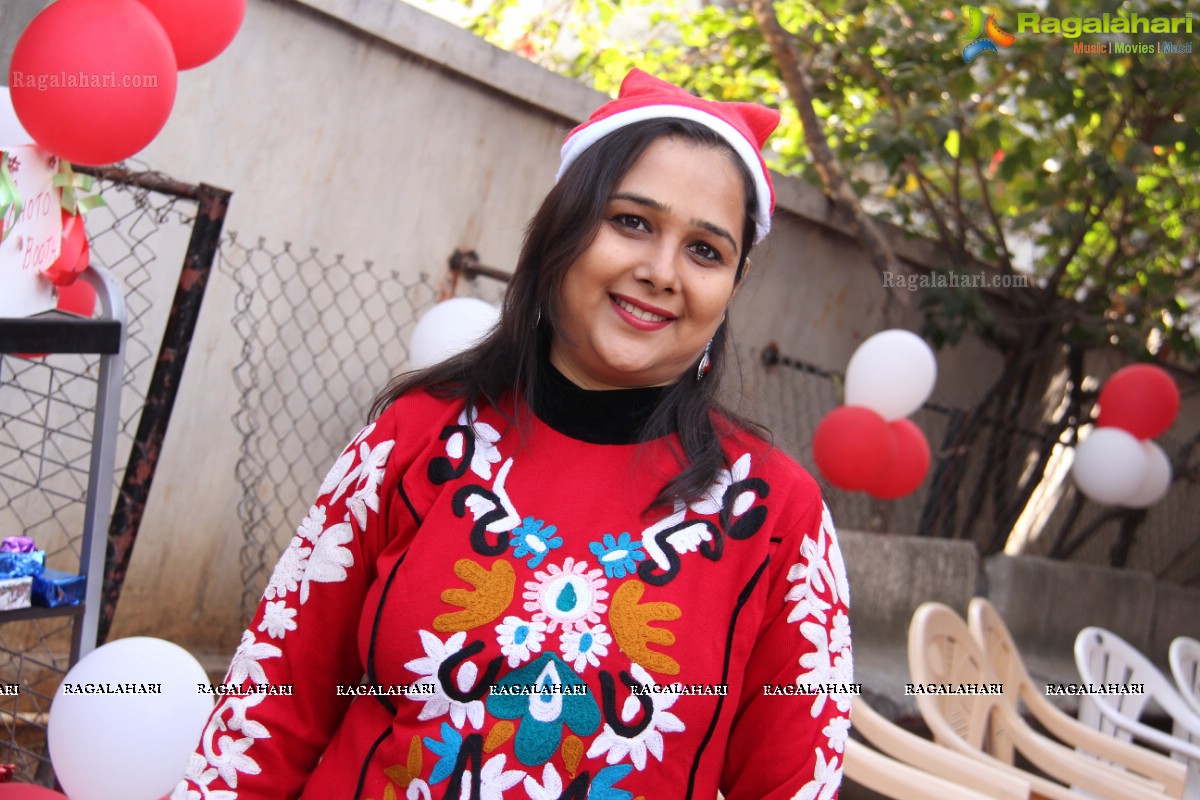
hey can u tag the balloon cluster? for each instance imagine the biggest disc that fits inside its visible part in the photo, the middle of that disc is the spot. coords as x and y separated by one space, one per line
868 445
93 81
1118 464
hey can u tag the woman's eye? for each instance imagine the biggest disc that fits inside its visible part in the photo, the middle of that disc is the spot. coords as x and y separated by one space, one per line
631 221
707 252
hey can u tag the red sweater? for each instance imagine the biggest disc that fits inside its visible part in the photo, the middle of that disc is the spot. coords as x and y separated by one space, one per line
469 612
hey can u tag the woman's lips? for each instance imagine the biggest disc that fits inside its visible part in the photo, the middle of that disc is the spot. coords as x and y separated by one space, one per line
640 317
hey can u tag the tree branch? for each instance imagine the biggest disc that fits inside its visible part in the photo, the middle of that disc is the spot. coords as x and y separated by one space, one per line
799 86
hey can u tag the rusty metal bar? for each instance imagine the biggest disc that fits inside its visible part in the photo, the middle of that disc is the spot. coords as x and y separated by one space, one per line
164 383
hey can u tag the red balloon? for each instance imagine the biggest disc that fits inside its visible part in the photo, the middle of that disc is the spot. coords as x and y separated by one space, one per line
78 298
198 29
1140 399
28 791
853 447
93 81
911 464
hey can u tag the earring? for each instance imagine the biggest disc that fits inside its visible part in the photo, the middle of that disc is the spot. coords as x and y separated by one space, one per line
537 317
705 362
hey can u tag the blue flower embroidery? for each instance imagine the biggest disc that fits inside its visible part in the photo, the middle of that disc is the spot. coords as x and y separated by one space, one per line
545 695
447 752
619 557
604 784
532 539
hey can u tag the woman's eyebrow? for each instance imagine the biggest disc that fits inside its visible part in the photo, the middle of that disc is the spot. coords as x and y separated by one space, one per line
650 202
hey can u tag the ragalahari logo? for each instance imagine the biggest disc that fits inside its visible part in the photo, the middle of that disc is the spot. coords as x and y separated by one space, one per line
983 36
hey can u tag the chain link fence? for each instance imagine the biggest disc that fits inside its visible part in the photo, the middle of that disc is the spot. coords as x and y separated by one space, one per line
46 420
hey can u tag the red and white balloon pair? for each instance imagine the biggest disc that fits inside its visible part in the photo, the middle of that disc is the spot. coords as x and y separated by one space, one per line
1118 464
868 444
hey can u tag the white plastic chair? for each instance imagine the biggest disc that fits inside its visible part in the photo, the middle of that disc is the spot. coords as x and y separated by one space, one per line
983 726
1184 657
1103 658
989 630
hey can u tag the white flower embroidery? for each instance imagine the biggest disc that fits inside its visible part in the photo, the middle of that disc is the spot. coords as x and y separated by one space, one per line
340 476
278 619
329 558
581 648
486 452
838 730
834 556
370 473
827 777
493 779
650 739
839 637
439 703
245 660
714 499
227 757
312 525
289 571
519 639
549 789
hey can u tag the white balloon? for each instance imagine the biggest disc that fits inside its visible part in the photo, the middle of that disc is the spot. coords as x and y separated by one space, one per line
449 328
12 132
892 373
1109 465
129 745
1156 479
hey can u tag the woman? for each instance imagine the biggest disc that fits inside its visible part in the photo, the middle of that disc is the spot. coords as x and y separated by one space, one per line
553 567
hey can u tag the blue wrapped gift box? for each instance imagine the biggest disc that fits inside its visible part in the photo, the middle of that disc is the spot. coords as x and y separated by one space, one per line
57 588
22 565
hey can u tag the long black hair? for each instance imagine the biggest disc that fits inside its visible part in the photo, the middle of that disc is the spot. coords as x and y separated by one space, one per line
510 358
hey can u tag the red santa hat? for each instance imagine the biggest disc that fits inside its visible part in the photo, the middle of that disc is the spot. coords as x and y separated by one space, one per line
745 126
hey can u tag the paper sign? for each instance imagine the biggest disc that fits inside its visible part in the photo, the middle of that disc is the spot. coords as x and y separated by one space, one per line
31 240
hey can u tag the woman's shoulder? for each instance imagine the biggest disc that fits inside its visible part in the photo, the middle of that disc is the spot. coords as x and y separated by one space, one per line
752 451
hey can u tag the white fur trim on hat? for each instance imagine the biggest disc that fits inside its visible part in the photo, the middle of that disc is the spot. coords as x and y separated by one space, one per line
589 135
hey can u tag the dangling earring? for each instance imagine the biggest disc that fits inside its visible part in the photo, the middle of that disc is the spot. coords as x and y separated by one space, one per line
537 317
705 362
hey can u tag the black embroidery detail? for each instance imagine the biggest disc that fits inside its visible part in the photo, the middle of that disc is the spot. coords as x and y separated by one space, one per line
743 598
476 692
441 469
372 678
647 570
748 524
362 775
408 503
479 531
472 751
578 788
608 696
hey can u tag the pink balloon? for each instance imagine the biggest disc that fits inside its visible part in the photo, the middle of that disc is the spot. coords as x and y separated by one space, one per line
93 81
199 30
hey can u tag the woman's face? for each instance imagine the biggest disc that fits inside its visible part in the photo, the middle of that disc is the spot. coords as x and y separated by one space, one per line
642 301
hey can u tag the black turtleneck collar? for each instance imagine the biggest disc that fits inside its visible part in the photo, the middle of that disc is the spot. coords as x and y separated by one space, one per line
612 416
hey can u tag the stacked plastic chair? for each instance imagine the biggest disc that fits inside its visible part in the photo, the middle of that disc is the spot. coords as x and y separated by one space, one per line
987 728
1102 657
989 630
1184 656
